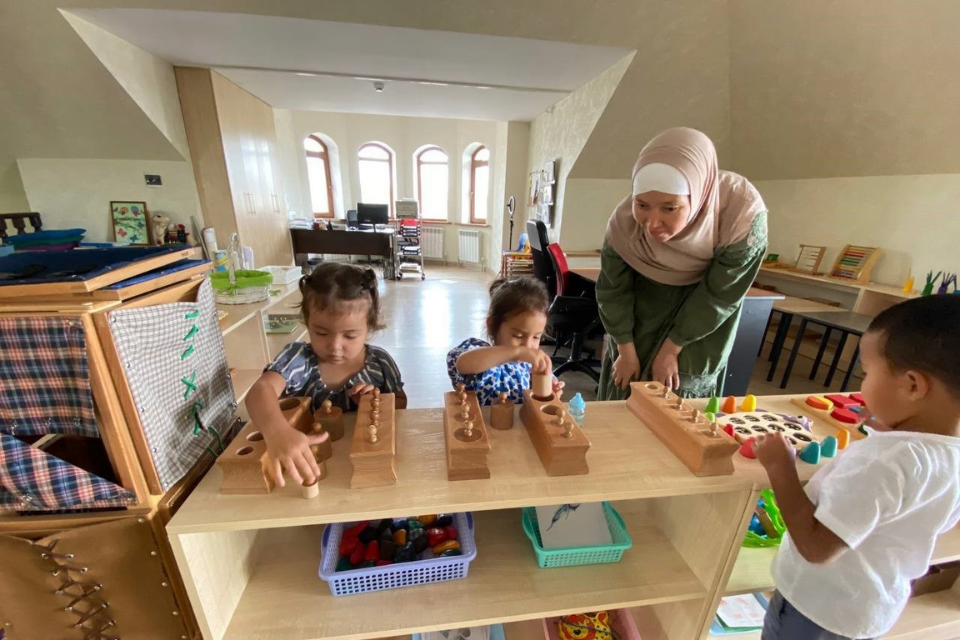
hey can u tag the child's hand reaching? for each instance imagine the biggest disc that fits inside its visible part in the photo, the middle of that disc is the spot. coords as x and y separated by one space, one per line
774 452
558 388
359 389
538 358
289 450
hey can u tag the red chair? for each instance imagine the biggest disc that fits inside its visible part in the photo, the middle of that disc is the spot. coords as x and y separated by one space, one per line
574 313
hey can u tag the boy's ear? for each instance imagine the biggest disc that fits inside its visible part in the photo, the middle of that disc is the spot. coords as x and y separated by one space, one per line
916 384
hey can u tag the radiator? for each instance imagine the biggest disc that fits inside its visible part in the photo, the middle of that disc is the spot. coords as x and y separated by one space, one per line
469 246
432 242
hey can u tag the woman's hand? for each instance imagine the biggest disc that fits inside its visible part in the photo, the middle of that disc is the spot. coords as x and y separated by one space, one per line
627 365
289 450
665 368
538 359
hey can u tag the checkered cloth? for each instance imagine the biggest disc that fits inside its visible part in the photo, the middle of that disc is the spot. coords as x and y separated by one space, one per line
32 480
44 377
173 359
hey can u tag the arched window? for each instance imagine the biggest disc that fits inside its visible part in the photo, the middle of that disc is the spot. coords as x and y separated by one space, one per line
479 184
318 174
433 179
376 174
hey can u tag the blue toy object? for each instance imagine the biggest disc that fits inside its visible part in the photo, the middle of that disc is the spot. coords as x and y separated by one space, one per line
522 242
828 448
811 453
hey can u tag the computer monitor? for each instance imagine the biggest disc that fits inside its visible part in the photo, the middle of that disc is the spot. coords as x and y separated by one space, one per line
373 213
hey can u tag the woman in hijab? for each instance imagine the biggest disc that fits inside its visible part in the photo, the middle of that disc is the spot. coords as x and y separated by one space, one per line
679 256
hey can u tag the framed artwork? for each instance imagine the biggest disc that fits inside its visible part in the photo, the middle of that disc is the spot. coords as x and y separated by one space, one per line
130 222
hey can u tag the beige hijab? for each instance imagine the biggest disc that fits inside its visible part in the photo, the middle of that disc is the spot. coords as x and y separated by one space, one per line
725 205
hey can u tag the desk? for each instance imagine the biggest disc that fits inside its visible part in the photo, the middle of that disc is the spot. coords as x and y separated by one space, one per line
756 310
343 243
846 322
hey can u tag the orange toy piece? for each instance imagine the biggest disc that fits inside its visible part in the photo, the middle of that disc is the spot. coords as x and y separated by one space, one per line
843 419
819 402
730 405
448 545
843 439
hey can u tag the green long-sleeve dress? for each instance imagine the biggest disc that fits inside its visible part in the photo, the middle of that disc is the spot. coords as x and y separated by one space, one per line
702 317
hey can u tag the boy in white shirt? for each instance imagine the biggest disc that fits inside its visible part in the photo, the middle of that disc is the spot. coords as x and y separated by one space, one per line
867 523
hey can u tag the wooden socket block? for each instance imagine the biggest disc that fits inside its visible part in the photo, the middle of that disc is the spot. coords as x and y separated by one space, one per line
374 463
826 415
331 418
562 447
241 464
467 448
501 414
704 450
297 412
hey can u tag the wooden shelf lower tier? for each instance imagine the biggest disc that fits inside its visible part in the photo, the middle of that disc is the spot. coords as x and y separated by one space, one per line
285 599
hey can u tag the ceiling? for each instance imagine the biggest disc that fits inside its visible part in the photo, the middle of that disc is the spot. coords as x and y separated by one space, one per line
303 64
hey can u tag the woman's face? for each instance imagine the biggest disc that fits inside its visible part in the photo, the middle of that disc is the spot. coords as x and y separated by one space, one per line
662 215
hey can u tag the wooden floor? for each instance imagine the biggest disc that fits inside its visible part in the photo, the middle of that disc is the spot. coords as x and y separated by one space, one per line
425 319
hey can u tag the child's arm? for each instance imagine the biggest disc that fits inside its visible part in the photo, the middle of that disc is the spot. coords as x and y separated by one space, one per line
287 448
485 358
815 542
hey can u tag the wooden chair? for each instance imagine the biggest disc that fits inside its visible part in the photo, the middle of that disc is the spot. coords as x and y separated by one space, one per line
19 221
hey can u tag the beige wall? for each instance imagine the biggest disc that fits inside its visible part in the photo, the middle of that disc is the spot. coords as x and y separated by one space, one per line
13 199
77 193
289 151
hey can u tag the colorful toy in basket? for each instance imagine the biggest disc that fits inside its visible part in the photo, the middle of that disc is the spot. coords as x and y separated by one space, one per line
586 626
767 526
390 553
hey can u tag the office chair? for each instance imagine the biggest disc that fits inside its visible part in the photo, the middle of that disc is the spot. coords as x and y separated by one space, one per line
574 313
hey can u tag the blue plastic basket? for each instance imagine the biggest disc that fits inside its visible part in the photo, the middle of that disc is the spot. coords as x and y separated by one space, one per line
601 554
394 576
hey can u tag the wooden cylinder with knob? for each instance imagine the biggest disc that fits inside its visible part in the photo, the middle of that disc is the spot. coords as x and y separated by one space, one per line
501 413
324 450
331 418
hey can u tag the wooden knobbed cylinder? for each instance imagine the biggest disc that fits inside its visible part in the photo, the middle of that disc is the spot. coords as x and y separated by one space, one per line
324 450
310 490
331 418
541 386
501 413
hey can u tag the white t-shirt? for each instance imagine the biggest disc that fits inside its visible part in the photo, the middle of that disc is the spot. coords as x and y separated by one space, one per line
887 497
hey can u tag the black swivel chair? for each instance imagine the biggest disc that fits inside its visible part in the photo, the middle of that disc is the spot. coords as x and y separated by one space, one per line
542 266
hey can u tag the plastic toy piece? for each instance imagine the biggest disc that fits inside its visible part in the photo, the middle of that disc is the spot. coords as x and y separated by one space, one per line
843 402
465 436
749 403
331 418
713 405
828 448
811 453
730 405
728 429
843 439
850 420
747 425
559 441
704 451
746 450
819 402
845 416
858 398
501 414
373 450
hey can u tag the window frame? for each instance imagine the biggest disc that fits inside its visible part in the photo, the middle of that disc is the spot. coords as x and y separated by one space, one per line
420 162
323 155
474 164
390 170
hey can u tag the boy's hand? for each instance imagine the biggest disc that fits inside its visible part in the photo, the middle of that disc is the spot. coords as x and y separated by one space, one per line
558 388
538 359
289 450
360 389
774 452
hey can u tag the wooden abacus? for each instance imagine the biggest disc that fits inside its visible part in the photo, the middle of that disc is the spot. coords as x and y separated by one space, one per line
465 436
373 451
242 462
698 443
558 440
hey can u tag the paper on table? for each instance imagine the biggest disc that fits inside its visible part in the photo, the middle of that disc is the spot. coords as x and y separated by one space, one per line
741 611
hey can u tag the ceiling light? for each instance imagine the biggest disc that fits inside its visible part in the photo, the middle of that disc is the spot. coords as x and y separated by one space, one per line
366 78
303 73
378 87
434 84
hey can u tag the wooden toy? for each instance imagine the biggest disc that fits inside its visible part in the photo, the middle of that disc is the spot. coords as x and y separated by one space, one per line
310 490
558 439
702 446
809 259
747 425
730 405
324 450
242 462
541 385
331 418
373 452
842 418
465 436
749 403
501 414
855 263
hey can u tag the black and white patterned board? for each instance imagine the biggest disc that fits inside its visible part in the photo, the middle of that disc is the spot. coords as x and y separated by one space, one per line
750 424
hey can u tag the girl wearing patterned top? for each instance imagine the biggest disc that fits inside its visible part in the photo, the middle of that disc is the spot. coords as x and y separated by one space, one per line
341 307
515 323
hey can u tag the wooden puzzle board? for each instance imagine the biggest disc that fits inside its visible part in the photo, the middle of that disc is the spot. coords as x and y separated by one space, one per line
466 457
750 424
374 463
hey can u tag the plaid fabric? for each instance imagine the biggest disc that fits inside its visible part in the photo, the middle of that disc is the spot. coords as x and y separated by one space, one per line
32 480
173 358
44 377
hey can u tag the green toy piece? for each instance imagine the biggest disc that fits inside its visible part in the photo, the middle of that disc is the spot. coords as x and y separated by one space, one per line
755 541
931 280
828 448
713 406
711 417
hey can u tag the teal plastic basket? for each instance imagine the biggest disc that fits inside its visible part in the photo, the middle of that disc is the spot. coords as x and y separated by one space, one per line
602 554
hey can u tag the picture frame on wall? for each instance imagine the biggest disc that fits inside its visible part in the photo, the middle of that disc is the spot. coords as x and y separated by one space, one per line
130 222
533 189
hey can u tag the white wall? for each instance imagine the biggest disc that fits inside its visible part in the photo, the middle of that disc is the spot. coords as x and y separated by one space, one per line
288 150
77 193
12 197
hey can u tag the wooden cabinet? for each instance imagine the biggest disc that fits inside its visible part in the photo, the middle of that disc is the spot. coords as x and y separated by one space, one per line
233 145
